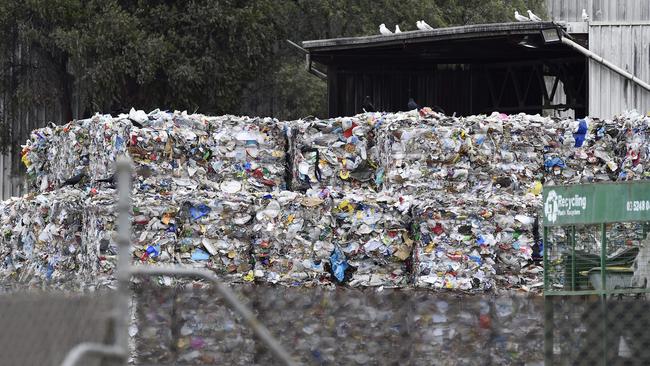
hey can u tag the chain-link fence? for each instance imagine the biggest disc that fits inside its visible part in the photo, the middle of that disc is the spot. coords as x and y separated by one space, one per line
188 325
596 308
574 258
592 331
40 329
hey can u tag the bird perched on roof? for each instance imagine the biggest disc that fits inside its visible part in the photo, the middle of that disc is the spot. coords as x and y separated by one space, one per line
74 179
397 30
585 16
412 105
367 105
383 30
521 18
425 25
534 17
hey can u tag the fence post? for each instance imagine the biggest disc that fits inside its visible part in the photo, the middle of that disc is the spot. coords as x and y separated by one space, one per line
123 269
603 279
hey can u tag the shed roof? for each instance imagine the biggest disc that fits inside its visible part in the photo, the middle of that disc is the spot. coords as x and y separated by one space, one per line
479 42
438 34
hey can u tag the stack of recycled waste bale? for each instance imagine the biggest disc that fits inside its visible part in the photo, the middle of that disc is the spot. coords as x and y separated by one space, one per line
379 199
477 182
194 184
471 211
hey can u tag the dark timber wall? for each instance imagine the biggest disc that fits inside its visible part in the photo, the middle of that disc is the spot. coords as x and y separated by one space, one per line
463 89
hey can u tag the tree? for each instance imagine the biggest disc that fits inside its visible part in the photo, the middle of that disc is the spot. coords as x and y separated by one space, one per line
174 54
462 12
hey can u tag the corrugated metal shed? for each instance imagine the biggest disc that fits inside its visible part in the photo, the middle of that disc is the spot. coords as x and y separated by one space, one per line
628 47
619 31
599 10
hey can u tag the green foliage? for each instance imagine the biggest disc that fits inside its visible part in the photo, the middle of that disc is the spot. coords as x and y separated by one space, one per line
302 94
462 12
198 54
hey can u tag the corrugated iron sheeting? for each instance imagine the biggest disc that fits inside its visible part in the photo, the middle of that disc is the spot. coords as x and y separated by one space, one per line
599 10
626 46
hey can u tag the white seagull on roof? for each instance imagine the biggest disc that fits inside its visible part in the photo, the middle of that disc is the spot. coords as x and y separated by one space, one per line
419 25
425 25
585 16
383 30
521 18
534 17
397 30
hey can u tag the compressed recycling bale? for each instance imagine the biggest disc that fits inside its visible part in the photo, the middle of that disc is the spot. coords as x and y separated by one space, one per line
333 153
100 236
205 229
180 150
472 243
447 153
373 235
252 149
293 238
42 238
107 140
408 151
447 254
54 154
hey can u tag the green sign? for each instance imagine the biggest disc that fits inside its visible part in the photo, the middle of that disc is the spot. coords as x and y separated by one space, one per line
596 203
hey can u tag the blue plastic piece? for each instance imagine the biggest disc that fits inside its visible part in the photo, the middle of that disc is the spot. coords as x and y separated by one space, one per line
581 133
339 264
200 255
199 211
153 250
550 163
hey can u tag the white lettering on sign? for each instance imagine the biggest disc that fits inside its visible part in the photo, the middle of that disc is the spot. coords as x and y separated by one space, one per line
557 206
637 206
